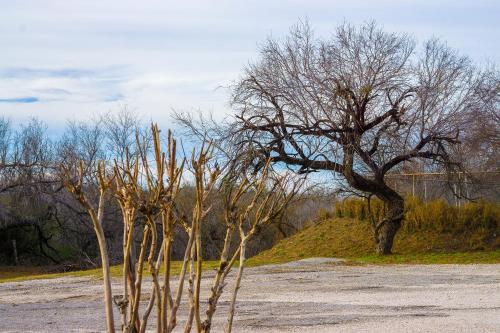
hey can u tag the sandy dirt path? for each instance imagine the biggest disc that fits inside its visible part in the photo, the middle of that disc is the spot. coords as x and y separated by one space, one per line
314 295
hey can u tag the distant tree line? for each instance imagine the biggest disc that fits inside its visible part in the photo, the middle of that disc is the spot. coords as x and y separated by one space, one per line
45 225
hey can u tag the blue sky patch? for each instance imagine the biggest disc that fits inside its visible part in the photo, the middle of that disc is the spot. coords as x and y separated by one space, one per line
21 100
23 72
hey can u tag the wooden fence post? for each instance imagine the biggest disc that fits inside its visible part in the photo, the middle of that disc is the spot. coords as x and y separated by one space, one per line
14 247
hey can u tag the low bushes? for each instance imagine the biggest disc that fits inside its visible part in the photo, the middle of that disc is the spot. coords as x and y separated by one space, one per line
473 225
431 215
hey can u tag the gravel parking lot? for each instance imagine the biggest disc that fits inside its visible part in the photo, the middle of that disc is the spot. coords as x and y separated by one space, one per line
314 295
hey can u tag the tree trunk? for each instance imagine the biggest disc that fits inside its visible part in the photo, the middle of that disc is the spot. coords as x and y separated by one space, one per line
103 249
386 230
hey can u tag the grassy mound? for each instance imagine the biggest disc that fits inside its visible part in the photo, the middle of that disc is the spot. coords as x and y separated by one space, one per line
352 238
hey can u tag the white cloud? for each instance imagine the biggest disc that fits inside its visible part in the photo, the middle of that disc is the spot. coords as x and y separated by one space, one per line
158 55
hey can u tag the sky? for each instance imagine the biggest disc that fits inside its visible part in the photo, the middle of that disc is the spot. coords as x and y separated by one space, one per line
74 60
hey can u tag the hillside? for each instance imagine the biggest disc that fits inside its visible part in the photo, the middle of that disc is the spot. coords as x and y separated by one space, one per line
351 238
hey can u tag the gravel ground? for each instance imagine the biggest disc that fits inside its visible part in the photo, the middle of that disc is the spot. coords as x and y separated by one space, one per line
314 295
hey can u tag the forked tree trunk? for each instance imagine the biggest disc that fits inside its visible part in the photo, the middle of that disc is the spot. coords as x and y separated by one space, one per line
386 230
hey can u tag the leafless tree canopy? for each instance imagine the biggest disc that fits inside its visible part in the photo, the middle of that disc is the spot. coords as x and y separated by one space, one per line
361 104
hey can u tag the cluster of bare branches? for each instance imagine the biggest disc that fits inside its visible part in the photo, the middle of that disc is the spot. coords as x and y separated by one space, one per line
45 225
148 191
36 212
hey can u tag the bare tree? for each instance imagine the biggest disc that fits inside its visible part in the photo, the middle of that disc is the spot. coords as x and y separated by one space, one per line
86 142
29 183
5 138
480 148
361 105
120 131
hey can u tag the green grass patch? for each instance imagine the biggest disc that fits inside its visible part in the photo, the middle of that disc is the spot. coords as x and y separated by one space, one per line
489 257
352 239
13 274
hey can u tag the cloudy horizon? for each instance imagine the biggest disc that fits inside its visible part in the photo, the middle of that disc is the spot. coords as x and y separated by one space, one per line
74 60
